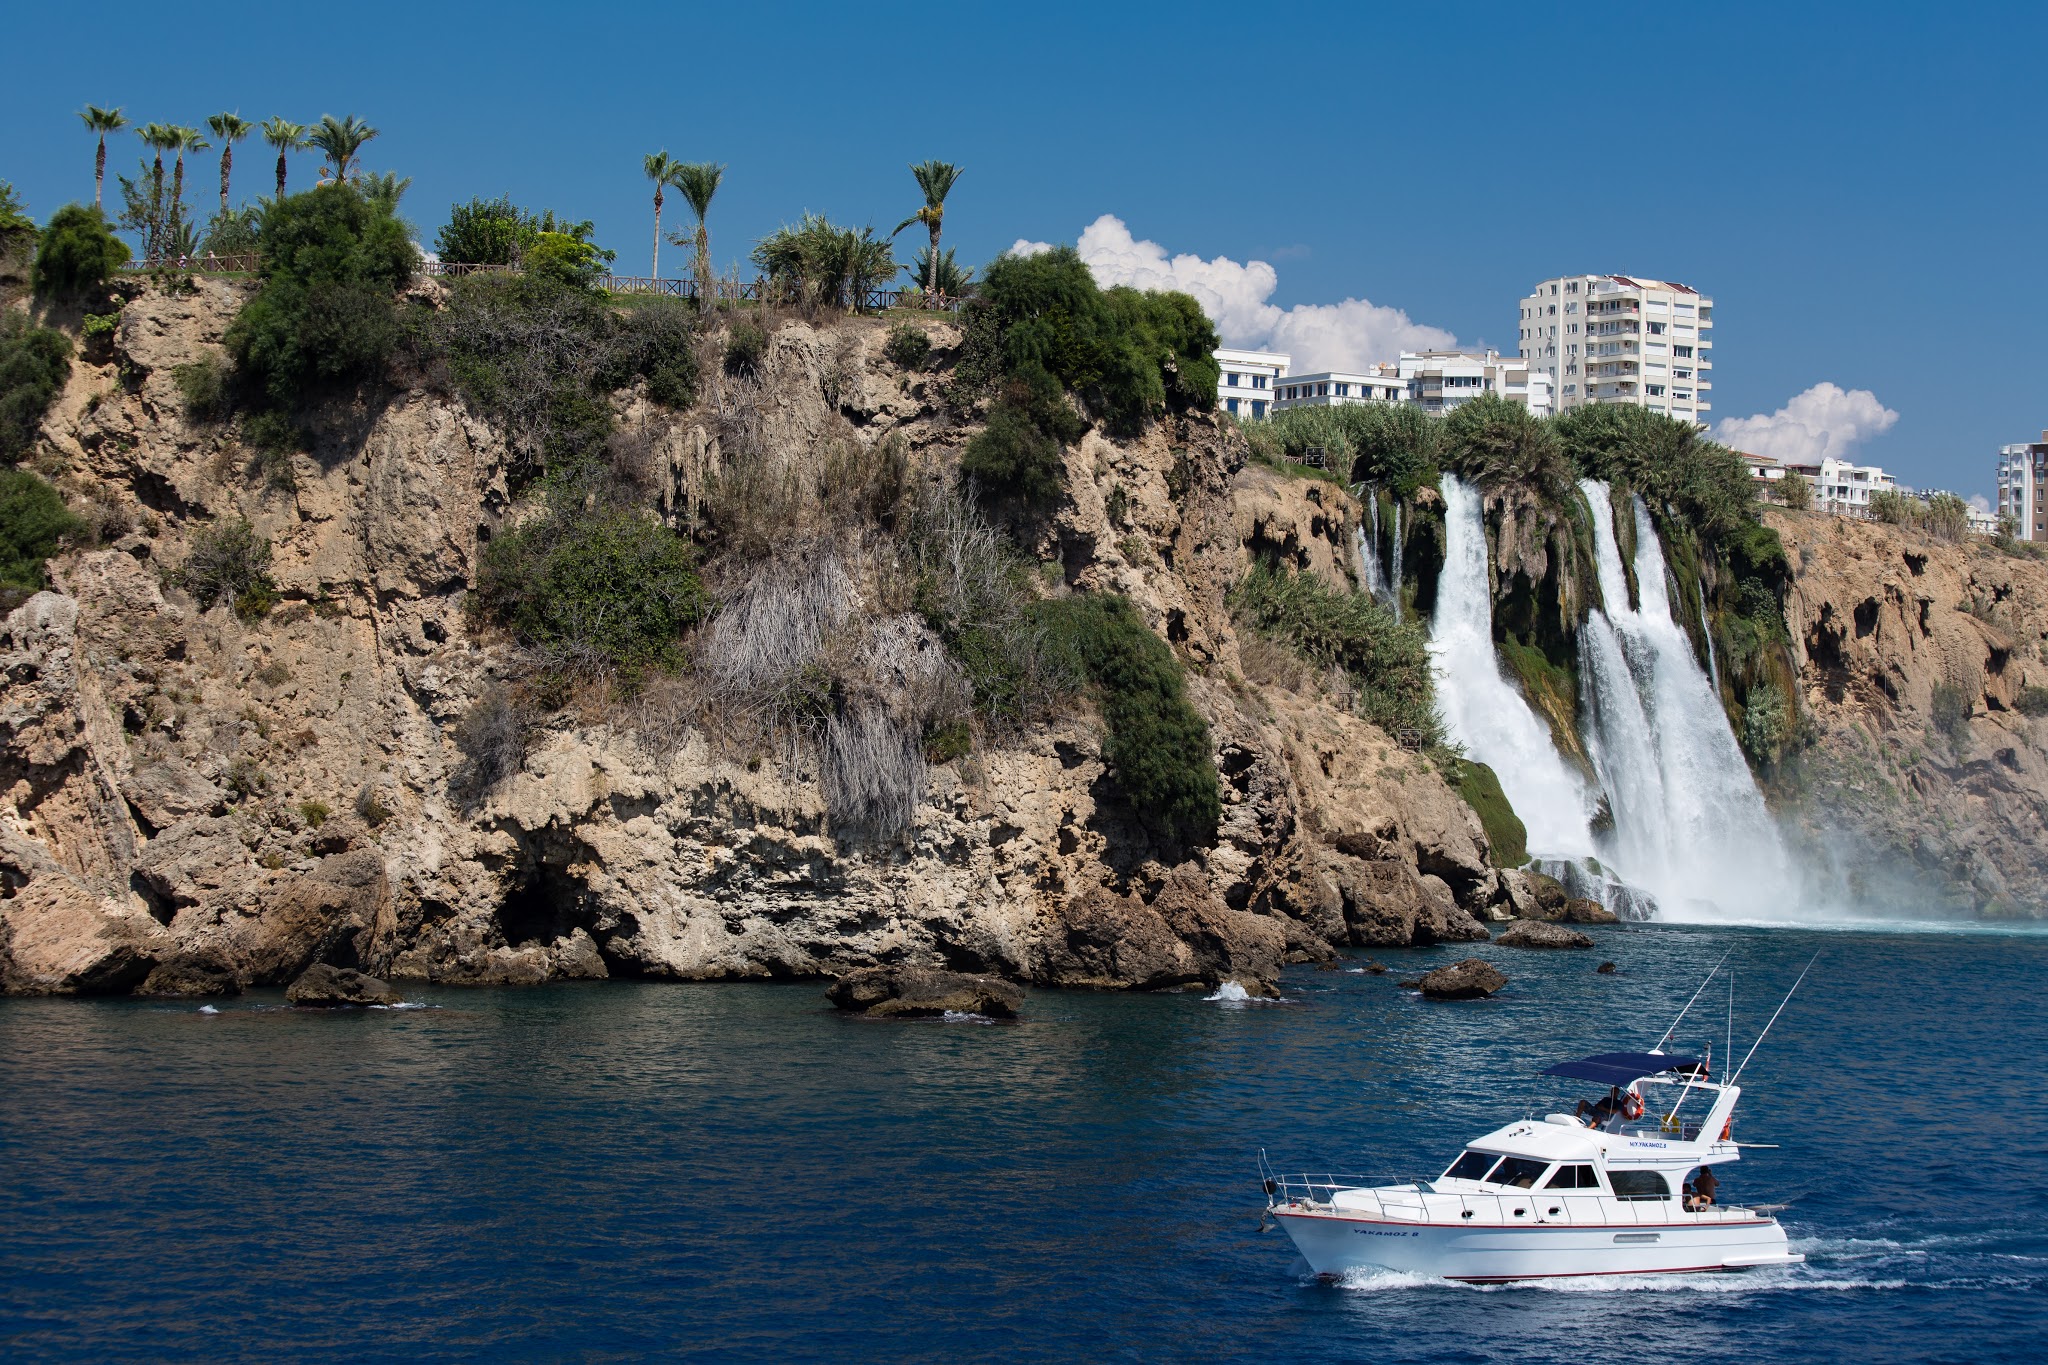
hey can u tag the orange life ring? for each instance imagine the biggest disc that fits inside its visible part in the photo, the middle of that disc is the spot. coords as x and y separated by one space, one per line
1631 1105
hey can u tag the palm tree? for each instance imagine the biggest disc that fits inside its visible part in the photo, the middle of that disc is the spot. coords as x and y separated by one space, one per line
936 179
661 169
185 140
230 129
157 137
384 188
699 181
102 122
286 136
341 139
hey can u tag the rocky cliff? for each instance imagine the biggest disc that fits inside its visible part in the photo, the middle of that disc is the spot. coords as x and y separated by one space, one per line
186 797
1920 776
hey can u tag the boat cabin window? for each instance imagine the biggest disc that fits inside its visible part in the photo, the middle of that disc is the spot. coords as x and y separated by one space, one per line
1573 1178
1639 1185
1471 1166
1519 1172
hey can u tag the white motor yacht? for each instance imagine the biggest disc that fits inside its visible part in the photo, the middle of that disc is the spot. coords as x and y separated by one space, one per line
1556 1197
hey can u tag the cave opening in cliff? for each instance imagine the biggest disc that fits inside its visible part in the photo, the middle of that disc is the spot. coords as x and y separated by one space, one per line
547 905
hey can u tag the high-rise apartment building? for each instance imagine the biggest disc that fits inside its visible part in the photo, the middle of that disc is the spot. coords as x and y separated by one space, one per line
1617 339
2022 484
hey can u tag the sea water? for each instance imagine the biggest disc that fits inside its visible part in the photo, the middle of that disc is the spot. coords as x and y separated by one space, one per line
615 1171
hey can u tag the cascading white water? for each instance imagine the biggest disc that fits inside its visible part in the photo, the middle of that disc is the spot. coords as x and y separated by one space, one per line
1689 823
1394 594
1707 630
1369 549
1485 712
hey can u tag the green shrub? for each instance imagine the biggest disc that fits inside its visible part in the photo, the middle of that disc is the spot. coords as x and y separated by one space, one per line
1767 723
1505 832
332 260
1943 514
16 227
227 561
1950 708
233 232
34 363
603 591
1386 661
485 232
203 386
1795 493
1489 439
34 523
559 257
2032 701
907 346
746 344
1158 746
77 254
1664 459
314 813
818 262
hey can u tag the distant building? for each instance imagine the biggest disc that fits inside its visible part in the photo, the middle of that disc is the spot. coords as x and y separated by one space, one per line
1336 388
2022 480
1983 521
1763 470
1246 386
1843 488
1617 339
1439 381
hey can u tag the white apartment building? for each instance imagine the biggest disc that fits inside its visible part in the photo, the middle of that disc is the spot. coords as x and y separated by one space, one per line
1249 379
1441 380
1335 388
2022 481
1843 488
1618 339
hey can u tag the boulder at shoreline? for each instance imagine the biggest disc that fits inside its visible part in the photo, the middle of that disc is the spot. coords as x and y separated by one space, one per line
1470 979
923 993
1531 933
323 987
1580 910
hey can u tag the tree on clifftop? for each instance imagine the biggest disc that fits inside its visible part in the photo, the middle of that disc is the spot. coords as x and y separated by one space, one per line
699 181
661 169
230 129
341 140
935 179
286 136
101 122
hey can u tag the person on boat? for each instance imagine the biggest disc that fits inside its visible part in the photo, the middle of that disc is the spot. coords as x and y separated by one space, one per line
1699 1195
1598 1112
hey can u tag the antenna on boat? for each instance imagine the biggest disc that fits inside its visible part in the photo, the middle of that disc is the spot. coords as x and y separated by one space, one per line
1659 1045
1774 1017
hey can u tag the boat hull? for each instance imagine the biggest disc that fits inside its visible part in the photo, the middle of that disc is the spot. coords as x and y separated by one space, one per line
1334 1244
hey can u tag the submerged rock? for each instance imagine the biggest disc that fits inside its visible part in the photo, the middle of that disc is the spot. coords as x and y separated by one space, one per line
921 992
1531 933
1470 979
1607 969
323 987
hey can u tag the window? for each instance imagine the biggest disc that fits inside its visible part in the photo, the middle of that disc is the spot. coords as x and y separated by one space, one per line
1571 308
1571 388
1685 351
1519 1172
1231 380
1471 1166
1656 329
1654 390
1573 1178
1230 405
1639 1185
1258 407
1260 382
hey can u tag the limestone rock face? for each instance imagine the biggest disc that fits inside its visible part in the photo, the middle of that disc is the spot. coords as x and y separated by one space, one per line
1886 622
1531 933
1471 979
189 801
921 993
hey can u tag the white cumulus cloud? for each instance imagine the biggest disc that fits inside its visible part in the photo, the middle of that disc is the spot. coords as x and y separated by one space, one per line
1826 420
1319 336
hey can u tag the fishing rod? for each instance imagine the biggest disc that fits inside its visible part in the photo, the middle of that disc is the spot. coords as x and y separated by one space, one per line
1774 1018
1658 1046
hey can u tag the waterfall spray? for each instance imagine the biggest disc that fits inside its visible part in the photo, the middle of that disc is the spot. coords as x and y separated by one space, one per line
1396 585
1369 549
1707 629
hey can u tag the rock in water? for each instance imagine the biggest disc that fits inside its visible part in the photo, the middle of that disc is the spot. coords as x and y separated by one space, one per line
1531 933
1580 910
187 976
920 992
1607 969
323 987
1470 979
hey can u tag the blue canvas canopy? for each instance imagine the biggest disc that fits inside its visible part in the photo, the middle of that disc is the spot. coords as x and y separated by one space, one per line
1621 1068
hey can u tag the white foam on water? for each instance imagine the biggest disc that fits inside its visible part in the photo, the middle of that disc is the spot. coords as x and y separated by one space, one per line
405 1005
1231 993
208 1009
964 1017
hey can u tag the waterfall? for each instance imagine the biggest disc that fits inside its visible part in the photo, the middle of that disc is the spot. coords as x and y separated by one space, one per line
1369 549
1395 588
1689 824
1707 630
1485 712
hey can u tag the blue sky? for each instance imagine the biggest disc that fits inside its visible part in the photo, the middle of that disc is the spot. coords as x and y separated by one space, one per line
1863 189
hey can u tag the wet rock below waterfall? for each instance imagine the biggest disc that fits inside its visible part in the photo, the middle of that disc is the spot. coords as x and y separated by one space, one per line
323 987
1579 910
1531 933
917 992
1470 979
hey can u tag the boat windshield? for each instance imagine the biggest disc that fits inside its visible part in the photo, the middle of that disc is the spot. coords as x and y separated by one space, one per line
1472 1166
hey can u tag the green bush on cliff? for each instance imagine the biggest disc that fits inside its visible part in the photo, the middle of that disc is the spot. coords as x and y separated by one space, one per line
34 363
33 525
332 260
1664 459
228 561
1491 440
600 591
1158 745
1386 661
1018 452
1505 833
77 253
1767 723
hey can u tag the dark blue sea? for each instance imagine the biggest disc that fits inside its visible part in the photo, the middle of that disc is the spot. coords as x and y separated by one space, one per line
621 1171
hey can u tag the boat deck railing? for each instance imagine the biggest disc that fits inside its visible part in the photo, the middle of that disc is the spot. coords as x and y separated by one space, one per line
1411 1201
